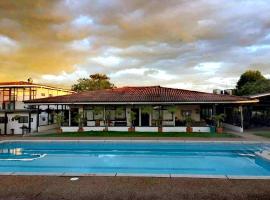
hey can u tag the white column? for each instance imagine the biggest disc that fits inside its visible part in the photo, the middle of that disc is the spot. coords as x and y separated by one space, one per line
140 118
241 116
150 119
173 119
69 117
127 115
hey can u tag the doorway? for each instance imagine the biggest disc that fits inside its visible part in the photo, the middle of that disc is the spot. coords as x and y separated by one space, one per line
145 119
74 113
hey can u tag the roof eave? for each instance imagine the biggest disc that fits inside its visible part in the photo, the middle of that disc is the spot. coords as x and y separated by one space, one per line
143 103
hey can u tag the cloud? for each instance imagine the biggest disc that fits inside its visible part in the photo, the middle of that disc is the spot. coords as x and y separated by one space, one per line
7 45
200 44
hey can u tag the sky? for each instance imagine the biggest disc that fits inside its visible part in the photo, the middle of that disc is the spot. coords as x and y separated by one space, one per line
199 45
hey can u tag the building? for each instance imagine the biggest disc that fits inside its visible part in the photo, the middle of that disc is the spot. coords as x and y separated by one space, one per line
152 107
15 117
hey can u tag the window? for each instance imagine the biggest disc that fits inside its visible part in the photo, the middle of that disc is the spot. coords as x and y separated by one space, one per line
120 113
167 116
2 120
23 119
43 94
89 115
50 95
155 115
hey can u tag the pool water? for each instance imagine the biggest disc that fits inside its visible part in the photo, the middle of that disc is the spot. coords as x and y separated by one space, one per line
86 157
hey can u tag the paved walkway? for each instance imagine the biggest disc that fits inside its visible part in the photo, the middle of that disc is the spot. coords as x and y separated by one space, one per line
249 135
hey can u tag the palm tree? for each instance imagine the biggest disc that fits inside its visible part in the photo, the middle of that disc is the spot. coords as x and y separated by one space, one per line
79 118
59 119
218 119
189 122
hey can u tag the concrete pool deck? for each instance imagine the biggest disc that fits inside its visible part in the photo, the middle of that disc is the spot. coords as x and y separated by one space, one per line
120 188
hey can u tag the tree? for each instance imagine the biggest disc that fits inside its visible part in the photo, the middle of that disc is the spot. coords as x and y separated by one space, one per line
260 86
249 76
218 119
94 82
80 119
59 119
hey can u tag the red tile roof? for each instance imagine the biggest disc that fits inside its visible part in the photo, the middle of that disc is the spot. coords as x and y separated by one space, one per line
25 84
141 94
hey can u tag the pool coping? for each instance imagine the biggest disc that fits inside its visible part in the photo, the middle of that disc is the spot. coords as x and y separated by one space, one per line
228 177
65 174
140 141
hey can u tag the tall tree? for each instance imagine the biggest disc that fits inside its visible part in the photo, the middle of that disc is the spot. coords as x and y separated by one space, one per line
94 82
249 76
260 86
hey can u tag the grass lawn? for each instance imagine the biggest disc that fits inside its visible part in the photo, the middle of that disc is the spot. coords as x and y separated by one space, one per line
136 134
263 134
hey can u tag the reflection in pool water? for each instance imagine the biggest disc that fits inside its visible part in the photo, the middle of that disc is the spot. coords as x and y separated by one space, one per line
17 154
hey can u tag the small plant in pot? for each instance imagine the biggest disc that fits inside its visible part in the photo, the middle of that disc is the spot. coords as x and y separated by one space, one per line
132 118
218 119
79 118
189 122
59 119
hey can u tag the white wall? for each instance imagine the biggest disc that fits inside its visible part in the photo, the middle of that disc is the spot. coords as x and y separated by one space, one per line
233 128
138 129
14 124
146 129
174 129
46 127
122 128
201 129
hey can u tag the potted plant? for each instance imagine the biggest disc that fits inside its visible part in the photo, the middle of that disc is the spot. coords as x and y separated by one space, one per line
159 121
59 119
97 111
218 119
107 120
79 118
158 110
189 122
132 118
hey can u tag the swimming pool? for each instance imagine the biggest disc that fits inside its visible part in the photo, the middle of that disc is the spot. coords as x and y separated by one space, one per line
129 157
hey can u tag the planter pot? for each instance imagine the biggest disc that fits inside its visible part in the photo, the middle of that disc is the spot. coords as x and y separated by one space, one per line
189 129
219 130
160 130
80 129
59 130
131 129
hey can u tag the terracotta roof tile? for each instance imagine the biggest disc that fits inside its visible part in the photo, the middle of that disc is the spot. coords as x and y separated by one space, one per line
140 94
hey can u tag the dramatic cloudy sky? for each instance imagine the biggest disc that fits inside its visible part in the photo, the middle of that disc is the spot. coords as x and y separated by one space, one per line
200 44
